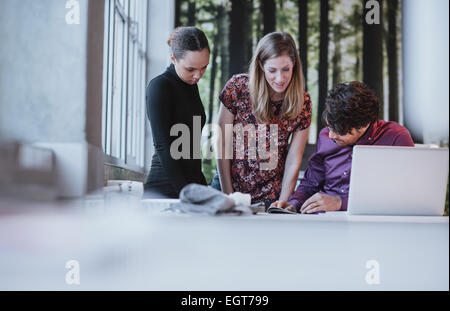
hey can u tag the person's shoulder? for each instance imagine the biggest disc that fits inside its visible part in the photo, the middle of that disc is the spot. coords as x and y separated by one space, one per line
306 97
325 145
397 132
240 76
160 80
236 86
307 104
238 80
324 138
159 88
323 134
393 127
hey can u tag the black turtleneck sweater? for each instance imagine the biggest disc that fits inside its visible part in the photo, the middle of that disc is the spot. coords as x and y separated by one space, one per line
171 101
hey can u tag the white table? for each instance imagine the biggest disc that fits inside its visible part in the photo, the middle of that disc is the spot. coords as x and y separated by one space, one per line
125 244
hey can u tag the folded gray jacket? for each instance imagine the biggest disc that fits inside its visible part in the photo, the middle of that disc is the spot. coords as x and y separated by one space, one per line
199 199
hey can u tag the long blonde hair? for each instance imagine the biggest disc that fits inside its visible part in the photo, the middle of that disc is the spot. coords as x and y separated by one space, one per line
273 45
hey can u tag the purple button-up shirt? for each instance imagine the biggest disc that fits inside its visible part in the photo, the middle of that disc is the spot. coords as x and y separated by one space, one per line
329 167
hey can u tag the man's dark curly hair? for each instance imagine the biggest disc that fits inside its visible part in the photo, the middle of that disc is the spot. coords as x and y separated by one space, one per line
350 106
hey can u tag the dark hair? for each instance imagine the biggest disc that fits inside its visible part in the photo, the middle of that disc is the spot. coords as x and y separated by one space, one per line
350 106
185 39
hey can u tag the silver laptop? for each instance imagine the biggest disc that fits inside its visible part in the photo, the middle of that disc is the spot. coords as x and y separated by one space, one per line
398 181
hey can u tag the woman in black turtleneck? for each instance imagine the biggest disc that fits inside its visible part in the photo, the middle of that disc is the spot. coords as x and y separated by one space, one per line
173 98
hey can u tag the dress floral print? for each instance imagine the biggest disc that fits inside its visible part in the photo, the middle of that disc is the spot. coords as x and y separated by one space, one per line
246 173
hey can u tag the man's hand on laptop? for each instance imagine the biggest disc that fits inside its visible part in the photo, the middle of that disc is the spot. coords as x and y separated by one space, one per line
321 202
284 205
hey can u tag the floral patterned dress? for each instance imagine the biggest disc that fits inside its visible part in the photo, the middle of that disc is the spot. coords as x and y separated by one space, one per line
246 174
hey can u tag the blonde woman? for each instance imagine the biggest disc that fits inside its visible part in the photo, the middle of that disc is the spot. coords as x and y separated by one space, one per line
271 94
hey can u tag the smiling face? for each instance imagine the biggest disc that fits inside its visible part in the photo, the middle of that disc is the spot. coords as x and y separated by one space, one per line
192 66
278 72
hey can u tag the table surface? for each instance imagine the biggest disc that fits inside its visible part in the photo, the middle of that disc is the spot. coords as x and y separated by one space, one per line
123 243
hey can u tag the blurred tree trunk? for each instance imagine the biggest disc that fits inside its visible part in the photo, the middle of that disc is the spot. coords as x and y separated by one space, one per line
259 22
323 61
212 84
337 56
212 81
373 55
303 36
239 17
177 13
191 13
392 60
248 32
356 23
224 45
268 9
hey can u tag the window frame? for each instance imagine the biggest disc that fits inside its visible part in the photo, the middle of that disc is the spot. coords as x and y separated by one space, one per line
124 78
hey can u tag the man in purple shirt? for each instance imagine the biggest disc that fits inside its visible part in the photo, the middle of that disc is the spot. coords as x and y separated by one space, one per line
351 114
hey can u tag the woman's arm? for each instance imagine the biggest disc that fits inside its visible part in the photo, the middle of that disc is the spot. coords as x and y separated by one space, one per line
223 164
293 162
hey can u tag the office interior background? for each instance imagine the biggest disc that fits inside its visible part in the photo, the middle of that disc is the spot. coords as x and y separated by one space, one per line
73 75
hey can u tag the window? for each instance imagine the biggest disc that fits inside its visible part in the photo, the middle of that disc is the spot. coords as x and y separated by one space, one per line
124 76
